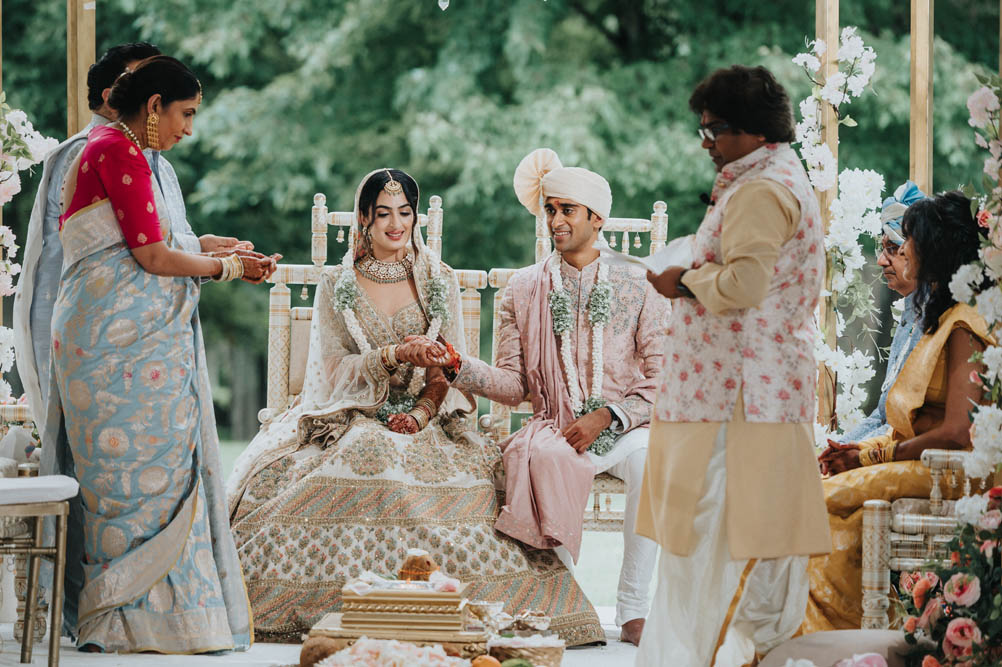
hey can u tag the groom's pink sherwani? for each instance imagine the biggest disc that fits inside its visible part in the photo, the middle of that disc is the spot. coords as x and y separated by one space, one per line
547 480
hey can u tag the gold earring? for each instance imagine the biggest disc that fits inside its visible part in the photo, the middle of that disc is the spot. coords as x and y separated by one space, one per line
153 132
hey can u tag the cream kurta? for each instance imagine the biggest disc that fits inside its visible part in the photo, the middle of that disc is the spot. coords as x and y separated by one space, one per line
758 220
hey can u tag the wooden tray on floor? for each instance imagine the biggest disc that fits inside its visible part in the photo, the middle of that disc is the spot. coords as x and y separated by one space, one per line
459 643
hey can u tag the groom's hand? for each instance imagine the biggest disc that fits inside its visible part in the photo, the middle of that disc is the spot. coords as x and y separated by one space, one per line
581 432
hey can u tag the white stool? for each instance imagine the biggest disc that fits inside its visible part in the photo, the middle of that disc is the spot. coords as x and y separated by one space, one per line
32 499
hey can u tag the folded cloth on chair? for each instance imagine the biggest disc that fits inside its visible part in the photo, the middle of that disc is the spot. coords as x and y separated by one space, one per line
45 489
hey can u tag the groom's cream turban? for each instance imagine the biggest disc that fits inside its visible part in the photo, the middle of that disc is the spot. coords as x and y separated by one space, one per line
540 175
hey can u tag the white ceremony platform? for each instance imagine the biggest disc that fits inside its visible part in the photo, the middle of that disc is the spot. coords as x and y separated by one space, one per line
614 654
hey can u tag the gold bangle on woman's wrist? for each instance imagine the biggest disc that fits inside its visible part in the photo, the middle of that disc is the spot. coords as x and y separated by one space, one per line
232 268
428 405
420 416
874 455
388 358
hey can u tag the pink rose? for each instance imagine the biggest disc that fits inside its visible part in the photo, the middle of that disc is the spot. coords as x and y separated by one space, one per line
963 633
990 520
962 590
930 661
920 590
956 653
988 548
907 581
994 496
931 614
984 218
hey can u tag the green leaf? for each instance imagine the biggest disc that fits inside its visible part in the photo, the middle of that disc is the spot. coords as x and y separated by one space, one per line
848 121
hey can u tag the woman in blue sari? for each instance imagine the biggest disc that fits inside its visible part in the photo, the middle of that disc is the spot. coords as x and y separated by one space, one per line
131 399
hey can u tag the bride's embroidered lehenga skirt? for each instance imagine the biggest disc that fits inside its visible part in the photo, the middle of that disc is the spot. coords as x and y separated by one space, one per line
316 517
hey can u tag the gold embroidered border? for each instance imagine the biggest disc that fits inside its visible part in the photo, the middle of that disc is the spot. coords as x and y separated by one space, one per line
734 606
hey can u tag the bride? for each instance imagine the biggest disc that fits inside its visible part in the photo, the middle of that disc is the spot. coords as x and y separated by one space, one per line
375 457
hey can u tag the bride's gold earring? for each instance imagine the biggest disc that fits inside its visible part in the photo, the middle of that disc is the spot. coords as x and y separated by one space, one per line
153 131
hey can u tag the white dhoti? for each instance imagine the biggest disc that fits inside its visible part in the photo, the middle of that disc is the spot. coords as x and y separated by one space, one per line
626 462
710 610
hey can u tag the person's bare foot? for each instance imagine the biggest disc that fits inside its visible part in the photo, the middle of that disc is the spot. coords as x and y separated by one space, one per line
632 630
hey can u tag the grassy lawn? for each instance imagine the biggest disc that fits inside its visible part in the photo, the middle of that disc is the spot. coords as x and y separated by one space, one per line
597 570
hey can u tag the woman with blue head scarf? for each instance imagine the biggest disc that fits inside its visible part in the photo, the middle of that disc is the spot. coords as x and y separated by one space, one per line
926 400
892 263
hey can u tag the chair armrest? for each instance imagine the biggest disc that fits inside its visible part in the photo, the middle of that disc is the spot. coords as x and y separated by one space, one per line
943 459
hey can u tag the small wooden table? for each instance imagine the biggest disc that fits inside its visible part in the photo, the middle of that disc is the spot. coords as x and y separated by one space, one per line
457 643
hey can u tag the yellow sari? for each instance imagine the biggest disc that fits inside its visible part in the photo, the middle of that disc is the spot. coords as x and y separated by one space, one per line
836 596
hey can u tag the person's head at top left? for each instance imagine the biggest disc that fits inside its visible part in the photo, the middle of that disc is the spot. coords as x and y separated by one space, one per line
741 109
158 101
102 74
890 257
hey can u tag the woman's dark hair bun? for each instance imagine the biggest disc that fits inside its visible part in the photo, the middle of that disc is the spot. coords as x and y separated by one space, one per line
163 75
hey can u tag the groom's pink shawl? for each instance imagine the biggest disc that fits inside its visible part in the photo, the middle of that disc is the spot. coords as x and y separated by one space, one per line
547 480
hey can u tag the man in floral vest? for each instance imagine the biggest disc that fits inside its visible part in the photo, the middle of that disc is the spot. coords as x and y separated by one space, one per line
583 341
732 490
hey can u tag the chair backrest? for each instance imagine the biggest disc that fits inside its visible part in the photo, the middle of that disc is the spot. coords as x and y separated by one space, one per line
499 423
289 328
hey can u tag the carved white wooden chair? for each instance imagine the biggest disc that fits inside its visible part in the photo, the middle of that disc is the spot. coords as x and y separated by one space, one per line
498 421
289 328
905 535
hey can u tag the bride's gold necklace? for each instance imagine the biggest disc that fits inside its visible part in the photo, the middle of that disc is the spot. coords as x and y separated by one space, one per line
385 273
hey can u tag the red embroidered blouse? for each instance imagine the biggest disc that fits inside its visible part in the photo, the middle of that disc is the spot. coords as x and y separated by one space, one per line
112 167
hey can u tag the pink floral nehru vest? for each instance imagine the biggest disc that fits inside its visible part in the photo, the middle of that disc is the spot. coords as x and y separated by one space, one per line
767 349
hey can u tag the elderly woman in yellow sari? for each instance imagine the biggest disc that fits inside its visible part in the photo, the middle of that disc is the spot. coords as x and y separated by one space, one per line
928 406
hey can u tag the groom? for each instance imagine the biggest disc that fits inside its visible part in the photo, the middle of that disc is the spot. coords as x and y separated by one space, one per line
557 319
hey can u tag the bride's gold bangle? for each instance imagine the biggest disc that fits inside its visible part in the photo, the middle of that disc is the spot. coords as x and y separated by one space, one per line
420 416
428 405
388 357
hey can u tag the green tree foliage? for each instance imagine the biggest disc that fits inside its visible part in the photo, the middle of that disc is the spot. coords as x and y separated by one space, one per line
306 96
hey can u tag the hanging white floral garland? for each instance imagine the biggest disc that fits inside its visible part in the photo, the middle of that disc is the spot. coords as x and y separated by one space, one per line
599 314
346 296
967 285
854 212
21 147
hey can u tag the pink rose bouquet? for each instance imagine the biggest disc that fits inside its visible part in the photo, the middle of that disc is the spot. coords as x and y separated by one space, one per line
952 609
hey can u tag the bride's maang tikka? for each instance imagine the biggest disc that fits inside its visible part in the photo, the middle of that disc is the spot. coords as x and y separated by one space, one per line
392 186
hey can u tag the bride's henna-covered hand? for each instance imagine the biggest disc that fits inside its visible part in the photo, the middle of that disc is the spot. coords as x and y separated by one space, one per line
402 423
422 351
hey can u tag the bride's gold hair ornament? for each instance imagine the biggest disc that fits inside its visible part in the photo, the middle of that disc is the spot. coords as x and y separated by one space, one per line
392 187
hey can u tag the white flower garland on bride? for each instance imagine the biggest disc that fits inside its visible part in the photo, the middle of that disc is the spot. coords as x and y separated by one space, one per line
21 147
599 314
346 295
854 212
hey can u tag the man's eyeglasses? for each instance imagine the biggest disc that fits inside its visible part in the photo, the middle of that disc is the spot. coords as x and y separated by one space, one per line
711 132
892 250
